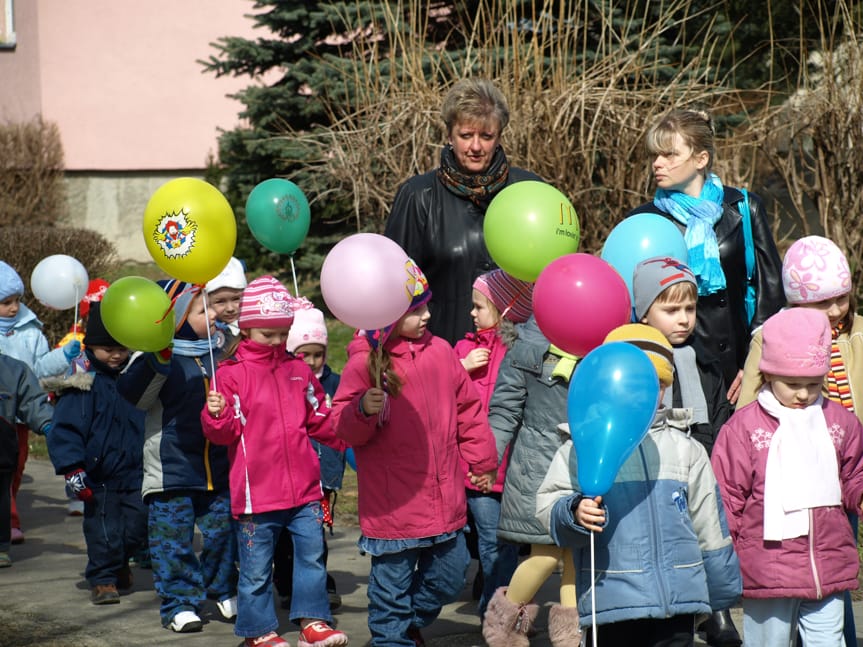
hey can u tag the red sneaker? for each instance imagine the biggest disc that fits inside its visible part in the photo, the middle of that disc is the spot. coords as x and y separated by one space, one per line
320 634
271 639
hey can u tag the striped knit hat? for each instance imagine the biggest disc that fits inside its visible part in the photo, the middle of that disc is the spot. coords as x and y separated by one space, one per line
181 295
266 304
511 296
653 343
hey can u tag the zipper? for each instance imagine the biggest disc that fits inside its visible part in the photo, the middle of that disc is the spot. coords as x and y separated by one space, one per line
654 526
819 594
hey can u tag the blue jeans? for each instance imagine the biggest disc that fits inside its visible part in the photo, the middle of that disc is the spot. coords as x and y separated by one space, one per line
180 577
257 535
409 588
497 559
771 622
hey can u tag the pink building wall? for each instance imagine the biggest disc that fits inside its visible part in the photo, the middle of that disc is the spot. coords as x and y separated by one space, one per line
121 80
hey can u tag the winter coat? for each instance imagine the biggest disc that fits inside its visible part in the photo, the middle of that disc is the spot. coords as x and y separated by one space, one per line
332 460
21 397
665 548
484 379
811 567
850 345
27 342
274 403
96 430
443 233
721 317
177 457
526 408
409 478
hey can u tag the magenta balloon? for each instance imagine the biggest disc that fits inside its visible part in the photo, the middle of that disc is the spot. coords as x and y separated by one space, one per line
577 300
365 281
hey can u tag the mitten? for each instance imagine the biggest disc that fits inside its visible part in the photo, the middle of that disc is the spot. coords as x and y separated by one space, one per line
72 349
161 360
79 484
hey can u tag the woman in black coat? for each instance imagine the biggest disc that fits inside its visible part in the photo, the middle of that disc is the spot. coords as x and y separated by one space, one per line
437 217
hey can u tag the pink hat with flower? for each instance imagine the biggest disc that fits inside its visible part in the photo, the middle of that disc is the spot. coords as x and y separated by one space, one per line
309 326
814 270
266 304
796 342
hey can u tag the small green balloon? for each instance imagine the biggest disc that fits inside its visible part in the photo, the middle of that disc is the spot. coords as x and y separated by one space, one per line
137 313
278 215
527 226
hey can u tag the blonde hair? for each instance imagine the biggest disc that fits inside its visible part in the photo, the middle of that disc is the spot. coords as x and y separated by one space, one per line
694 126
682 291
474 100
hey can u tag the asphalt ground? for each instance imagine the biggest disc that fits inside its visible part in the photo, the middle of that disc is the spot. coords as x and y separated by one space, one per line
45 600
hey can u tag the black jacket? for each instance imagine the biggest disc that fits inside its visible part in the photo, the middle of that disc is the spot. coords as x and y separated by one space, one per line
721 318
443 233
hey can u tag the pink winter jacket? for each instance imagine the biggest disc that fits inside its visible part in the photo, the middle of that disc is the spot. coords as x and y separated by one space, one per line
409 479
820 564
274 404
484 379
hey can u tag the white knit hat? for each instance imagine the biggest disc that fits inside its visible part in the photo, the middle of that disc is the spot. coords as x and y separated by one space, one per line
233 276
308 328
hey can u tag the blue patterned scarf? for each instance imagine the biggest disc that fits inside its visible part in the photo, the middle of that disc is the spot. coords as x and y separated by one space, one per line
699 215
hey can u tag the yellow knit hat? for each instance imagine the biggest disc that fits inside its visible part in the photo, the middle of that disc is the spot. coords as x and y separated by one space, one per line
653 343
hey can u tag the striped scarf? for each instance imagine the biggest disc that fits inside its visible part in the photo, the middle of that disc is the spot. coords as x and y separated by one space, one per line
838 388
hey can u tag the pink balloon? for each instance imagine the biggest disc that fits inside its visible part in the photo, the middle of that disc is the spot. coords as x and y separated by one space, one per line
366 282
577 300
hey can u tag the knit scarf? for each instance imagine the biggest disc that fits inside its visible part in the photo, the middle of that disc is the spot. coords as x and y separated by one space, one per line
802 471
691 392
565 365
479 188
838 388
699 215
190 348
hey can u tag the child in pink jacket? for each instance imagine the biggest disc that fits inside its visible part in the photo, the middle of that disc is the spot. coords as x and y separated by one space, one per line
266 407
790 469
408 437
499 302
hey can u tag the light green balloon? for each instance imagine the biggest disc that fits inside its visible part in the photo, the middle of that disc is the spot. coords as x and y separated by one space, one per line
137 313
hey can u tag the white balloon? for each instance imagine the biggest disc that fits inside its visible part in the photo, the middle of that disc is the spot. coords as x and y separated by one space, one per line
59 281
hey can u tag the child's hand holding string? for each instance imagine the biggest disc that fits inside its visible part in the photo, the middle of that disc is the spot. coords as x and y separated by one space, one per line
373 401
215 403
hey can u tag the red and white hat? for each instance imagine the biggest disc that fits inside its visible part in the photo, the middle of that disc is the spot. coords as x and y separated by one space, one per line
266 304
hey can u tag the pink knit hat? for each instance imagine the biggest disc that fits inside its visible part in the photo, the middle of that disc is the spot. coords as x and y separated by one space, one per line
266 304
796 342
511 296
308 328
814 270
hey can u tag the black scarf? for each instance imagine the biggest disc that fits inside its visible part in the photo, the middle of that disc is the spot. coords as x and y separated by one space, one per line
479 188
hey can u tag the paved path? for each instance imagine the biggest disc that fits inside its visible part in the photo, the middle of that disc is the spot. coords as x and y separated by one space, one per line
44 599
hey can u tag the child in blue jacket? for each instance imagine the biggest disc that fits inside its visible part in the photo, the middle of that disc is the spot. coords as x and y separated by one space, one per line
96 443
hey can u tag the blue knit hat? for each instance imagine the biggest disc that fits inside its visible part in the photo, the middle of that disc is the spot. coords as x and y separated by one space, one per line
10 282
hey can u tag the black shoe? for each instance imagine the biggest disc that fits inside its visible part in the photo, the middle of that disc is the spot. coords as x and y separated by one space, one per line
719 630
478 584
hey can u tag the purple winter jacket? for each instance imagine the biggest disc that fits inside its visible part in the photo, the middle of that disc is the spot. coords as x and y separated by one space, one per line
810 567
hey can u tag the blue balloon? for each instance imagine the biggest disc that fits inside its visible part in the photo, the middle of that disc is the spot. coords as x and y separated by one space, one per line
612 400
640 237
350 458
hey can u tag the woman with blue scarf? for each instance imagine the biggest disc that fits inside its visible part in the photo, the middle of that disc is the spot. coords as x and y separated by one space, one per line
710 216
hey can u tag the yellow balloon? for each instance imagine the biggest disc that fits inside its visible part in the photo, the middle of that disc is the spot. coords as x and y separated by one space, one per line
190 229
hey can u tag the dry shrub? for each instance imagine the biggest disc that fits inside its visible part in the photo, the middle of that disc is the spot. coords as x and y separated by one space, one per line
31 173
23 249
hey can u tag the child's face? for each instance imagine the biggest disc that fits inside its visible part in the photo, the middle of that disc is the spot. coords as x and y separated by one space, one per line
9 306
484 313
795 392
269 336
413 324
836 308
198 318
113 356
226 303
313 355
674 319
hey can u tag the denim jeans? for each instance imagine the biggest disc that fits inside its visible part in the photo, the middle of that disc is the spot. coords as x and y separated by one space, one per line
497 559
257 535
769 622
409 588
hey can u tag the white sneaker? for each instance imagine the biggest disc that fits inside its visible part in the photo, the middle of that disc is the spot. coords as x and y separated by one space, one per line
185 622
228 608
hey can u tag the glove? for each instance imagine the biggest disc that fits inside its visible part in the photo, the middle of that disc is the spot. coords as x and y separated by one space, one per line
78 483
72 349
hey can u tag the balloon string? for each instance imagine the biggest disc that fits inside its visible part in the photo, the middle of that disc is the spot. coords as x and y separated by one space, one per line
593 589
379 361
294 274
210 342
